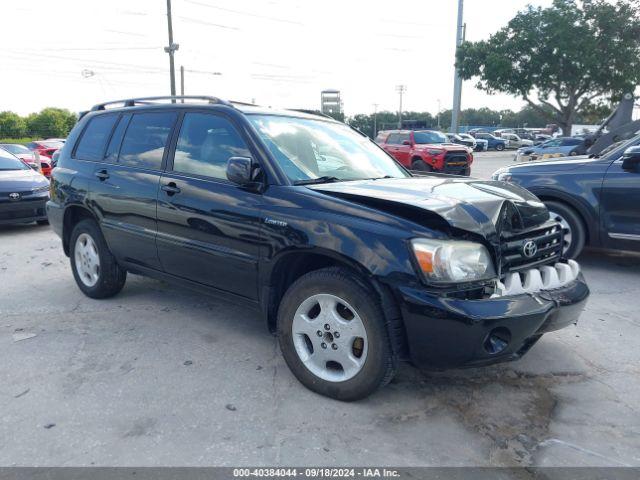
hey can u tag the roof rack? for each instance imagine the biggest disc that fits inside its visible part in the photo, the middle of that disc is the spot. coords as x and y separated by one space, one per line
132 102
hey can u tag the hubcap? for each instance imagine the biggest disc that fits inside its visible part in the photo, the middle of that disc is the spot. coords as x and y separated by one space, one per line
87 260
329 338
566 230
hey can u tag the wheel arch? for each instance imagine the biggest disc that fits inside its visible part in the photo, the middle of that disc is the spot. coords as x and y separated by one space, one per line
293 264
583 213
72 215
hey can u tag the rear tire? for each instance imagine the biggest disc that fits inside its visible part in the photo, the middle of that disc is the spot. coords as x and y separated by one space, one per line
94 267
500 147
572 224
421 166
335 370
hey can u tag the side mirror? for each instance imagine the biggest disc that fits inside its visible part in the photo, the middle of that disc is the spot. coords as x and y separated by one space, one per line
631 159
239 170
406 142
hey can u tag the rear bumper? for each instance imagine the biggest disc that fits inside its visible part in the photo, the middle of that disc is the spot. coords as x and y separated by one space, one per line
23 211
55 213
449 333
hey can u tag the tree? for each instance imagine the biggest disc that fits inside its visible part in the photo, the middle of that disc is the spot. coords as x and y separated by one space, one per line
560 59
50 122
12 125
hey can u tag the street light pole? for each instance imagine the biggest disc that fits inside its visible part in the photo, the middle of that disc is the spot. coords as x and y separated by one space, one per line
375 120
457 80
400 89
171 49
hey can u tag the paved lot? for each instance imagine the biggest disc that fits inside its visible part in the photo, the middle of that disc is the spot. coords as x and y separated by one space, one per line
163 376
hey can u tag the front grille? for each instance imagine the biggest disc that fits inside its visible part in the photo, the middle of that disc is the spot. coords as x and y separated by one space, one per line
548 239
455 162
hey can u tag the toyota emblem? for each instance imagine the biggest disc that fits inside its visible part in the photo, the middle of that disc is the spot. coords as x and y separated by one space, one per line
529 249
14 196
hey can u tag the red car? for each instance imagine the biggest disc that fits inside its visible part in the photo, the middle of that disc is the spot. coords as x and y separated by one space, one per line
426 151
45 147
32 158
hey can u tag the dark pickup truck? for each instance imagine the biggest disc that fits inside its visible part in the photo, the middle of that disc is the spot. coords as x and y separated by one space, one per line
355 262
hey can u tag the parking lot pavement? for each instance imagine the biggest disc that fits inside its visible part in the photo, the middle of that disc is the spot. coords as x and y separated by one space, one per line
163 376
485 163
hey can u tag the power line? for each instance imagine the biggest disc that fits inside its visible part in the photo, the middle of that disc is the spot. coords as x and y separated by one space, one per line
248 14
208 24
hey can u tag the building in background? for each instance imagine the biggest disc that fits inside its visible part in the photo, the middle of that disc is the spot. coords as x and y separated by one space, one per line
331 104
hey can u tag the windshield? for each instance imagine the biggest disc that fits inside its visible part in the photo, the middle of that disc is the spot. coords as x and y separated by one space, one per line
615 153
9 162
15 149
309 149
429 137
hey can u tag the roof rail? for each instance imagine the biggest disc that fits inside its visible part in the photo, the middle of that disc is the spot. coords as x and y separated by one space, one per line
311 112
132 102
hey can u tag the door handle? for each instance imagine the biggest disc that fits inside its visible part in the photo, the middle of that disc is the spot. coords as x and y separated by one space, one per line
102 175
171 189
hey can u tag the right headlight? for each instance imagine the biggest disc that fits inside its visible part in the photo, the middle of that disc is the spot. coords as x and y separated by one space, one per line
452 261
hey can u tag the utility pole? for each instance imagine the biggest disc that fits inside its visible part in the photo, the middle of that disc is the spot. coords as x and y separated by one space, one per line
457 80
182 81
375 120
400 89
439 110
171 49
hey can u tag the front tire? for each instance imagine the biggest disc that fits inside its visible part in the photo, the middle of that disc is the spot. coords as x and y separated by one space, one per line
94 267
500 147
421 166
333 335
42 223
574 230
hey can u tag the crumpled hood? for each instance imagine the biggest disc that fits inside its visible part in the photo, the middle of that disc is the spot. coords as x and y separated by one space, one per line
21 180
483 207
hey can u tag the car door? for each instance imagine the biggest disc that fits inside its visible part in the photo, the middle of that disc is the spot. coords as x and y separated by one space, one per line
392 146
208 227
620 207
124 188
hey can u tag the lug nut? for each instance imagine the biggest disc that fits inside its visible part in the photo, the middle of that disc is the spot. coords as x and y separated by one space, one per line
319 333
334 346
337 334
323 345
327 326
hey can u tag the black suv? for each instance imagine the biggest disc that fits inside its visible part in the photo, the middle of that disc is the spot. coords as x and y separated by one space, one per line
354 262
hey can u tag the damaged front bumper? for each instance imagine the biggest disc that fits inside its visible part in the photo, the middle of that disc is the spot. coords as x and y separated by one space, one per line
445 332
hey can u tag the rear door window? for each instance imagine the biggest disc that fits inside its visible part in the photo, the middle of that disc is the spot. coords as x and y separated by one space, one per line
111 155
146 139
94 138
394 139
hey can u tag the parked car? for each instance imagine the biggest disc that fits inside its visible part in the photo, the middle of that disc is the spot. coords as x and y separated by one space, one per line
459 140
44 147
354 262
493 142
426 151
514 141
23 192
556 147
594 199
482 145
33 159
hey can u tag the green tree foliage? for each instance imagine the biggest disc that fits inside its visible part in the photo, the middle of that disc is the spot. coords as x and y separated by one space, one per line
562 58
50 122
12 125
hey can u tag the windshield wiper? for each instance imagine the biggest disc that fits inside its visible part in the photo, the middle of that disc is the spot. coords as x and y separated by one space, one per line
313 181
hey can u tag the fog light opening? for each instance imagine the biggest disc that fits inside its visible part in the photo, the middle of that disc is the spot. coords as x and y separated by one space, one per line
497 340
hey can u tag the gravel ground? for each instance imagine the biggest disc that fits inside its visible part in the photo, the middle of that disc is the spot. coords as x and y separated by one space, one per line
162 376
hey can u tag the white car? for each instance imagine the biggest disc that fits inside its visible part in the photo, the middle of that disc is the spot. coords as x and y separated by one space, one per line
481 144
514 141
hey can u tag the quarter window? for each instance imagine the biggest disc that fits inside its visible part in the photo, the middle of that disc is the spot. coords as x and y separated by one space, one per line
205 144
95 136
146 138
